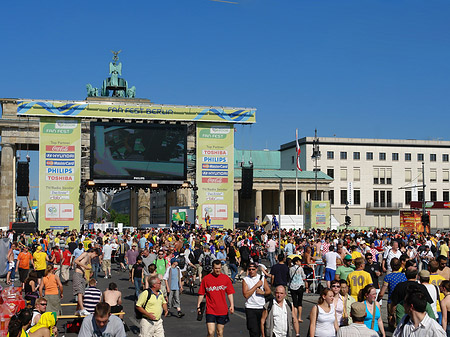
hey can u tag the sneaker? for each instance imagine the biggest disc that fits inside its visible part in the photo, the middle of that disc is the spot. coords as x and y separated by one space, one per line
180 314
106 276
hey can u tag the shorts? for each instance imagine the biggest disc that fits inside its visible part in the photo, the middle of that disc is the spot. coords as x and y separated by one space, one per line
329 274
23 274
121 258
79 284
222 319
116 308
11 266
40 273
297 296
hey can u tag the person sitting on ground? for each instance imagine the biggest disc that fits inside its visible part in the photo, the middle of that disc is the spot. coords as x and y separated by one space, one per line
102 323
19 323
39 308
113 297
45 327
92 296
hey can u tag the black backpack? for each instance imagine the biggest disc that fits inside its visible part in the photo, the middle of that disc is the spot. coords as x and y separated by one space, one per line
197 253
269 307
207 267
181 261
137 313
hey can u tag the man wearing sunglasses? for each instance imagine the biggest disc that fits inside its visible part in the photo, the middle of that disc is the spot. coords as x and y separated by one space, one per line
39 308
254 287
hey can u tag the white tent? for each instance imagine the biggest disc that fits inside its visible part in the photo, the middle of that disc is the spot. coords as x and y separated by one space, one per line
293 222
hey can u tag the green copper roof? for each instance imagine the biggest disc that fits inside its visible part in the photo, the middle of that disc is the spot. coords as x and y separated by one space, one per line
264 160
283 174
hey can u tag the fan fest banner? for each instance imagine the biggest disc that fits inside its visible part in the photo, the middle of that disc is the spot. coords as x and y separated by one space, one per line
215 174
59 173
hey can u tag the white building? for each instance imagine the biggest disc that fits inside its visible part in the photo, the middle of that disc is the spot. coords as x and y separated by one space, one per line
377 176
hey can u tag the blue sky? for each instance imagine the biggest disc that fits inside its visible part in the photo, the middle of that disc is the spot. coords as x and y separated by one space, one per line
351 68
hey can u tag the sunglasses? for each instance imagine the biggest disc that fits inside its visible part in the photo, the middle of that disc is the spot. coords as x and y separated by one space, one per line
251 268
43 304
335 286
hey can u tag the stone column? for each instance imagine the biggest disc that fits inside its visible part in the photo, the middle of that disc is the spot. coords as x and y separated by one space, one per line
90 202
282 204
7 184
143 207
258 204
325 195
236 201
302 201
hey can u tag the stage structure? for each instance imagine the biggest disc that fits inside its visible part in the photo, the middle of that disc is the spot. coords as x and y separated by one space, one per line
115 142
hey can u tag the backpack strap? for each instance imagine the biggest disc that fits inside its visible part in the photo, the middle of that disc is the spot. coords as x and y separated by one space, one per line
149 295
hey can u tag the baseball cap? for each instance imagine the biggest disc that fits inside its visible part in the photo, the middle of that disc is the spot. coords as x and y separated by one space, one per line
221 247
424 273
348 257
358 309
173 260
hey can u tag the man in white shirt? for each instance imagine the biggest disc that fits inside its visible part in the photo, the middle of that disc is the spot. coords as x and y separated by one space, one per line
107 251
254 288
391 253
330 259
416 322
278 318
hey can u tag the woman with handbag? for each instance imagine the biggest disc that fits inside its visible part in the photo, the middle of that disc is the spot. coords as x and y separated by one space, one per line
297 286
373 318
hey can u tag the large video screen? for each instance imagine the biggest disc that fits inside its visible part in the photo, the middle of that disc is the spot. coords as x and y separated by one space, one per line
138 152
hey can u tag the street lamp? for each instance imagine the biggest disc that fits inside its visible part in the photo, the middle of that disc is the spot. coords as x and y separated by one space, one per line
346 215
315 156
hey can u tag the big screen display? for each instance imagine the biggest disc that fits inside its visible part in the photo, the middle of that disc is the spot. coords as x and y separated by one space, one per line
147 152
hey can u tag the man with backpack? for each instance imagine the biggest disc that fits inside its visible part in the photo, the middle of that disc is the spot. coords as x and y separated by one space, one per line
149 308
244 251
206 260
278 317
195 261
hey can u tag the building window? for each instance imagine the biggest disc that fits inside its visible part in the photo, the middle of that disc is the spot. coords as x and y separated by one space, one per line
408 196
433 195
376 175
343 155
331 196
382 156
389 176
369 155
420 157
330 172
343 197
408 175
419 195
356 174
445 196
376 198
445 157
432 156
433 175
330 154
419 175
356 197
382 176
344 174
356 155
445 176
395 156
407 156
292 160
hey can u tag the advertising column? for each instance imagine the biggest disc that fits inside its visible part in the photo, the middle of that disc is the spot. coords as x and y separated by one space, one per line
59 178
215 174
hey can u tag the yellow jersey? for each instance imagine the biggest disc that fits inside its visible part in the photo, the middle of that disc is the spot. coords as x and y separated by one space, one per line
357 280
436 279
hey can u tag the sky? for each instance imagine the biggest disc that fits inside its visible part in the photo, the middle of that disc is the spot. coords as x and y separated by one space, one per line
350 68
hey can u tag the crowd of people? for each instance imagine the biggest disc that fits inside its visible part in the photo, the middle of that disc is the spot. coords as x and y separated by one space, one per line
357 275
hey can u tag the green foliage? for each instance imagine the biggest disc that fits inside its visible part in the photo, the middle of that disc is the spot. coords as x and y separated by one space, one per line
117 217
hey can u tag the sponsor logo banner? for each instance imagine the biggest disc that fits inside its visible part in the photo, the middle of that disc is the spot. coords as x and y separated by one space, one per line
215 180
60 162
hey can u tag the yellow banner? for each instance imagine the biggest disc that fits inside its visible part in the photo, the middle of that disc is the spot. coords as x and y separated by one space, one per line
136 111
59 173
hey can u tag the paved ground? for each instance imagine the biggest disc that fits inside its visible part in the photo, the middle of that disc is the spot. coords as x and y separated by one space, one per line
188 325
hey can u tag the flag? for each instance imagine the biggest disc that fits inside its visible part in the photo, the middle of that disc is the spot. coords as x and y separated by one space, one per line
298 150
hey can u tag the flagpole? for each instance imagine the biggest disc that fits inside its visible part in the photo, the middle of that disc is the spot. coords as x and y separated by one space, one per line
296 173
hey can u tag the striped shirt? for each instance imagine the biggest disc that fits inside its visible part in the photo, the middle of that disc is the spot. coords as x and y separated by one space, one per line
92 296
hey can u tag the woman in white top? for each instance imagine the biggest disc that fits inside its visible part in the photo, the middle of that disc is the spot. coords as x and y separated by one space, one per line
323 321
